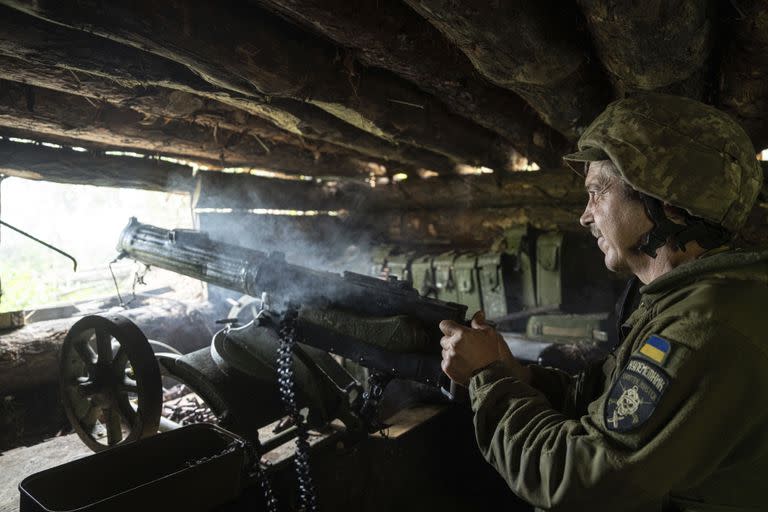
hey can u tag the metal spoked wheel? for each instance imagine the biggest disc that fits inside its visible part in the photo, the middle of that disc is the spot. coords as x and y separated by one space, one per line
110 382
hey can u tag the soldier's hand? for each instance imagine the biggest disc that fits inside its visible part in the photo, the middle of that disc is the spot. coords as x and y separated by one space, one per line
466 350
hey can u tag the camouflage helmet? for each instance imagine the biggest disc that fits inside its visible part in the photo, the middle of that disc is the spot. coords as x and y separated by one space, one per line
680 151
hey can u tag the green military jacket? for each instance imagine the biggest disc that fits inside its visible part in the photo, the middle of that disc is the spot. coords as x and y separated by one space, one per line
675 419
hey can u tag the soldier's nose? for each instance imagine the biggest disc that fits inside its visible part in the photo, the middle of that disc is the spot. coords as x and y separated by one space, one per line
586 218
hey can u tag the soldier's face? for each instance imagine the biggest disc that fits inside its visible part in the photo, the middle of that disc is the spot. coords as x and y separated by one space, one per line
616 219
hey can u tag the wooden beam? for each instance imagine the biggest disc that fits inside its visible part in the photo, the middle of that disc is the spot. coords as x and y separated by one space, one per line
243 192
554 188
115 72
45 111
153 101
476 227
744 68
522 46
213 188
272 57
660 46
29 356
388 36
450 193
64 165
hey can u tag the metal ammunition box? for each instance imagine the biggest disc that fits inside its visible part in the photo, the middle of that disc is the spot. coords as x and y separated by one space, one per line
527 281
526 269
505 285
571 275
199 456
506 275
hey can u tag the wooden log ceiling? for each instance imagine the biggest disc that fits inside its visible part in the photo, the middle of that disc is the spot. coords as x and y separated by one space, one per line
456 193
257 55
531 48
83 65
342 90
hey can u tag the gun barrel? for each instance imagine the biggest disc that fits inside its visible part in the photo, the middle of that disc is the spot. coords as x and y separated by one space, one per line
190 253
194 254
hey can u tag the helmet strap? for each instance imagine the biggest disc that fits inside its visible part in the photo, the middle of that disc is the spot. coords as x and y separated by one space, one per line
664 230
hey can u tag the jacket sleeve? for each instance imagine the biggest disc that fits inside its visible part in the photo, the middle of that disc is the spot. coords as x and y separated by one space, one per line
569 394
559 463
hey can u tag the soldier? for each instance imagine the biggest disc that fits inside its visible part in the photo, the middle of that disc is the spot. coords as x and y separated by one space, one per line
677 417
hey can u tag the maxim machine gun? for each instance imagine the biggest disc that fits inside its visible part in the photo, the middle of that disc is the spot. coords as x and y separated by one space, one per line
281 361
281 368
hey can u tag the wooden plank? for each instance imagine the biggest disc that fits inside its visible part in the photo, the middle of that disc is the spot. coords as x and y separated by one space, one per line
158 102
244 191
29 356
478 227
64 165
553 188
373 101
96 63
447 193
662 47
19 463
49 112
523 46
387 35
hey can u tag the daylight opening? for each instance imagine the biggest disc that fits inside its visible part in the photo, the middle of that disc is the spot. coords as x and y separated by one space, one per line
85 222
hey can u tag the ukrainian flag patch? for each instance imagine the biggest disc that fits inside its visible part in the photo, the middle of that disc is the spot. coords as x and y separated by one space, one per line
656 349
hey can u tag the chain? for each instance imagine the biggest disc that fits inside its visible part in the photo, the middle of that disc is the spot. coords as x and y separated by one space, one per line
286 381
266 488
232 447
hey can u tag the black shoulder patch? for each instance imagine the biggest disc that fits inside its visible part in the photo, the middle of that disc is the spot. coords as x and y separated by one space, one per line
634 395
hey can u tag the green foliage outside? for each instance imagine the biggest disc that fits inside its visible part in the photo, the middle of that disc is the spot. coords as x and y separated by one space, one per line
82 220
32 280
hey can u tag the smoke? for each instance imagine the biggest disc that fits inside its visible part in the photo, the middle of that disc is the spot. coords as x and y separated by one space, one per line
308 235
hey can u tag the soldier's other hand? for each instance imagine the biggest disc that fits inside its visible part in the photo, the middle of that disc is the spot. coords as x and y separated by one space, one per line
468 349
